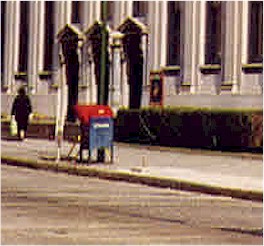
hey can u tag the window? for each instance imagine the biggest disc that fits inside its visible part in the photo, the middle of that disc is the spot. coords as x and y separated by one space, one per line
140 8
174 33
3 11
76 12
49 35
23 46
255 32
213 33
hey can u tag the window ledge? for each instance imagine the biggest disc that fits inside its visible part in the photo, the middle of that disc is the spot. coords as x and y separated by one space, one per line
54 86
252 68
210 69
227 85
45 74
20 75
83 86
187 84
171 70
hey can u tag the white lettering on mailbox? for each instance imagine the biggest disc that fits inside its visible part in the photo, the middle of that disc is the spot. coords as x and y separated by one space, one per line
101 125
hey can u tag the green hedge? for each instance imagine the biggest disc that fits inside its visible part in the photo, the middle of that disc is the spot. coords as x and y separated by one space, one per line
225 129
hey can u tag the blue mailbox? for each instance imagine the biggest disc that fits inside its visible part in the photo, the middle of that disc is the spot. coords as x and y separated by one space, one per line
101 134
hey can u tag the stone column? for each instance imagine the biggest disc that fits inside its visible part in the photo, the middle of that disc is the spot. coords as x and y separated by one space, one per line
68 12
36 36
6 83
194 46
59 23
62 103
117 14
61 97
128 8
245 16
96 10
163 31
202 32
232 45
124 83
156 35
236 68
151 21
87 20
12 39
187 23
116 71
145 87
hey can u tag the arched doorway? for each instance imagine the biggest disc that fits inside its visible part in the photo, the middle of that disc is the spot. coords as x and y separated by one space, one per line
94 39
69 38
134 56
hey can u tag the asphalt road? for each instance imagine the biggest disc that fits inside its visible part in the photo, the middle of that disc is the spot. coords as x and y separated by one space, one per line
43 207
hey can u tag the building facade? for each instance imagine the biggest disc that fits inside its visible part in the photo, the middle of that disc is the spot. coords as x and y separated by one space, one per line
207 53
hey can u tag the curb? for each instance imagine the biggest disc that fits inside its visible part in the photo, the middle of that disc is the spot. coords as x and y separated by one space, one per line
189 151
82 170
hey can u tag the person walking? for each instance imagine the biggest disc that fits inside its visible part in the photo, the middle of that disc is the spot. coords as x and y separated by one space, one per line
21 109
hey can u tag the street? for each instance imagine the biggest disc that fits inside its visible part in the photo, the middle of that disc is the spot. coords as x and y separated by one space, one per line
44 207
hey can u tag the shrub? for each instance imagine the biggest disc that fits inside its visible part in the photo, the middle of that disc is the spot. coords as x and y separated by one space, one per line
225 129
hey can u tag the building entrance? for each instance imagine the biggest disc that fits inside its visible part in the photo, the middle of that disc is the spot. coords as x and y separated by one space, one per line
132 45
69 43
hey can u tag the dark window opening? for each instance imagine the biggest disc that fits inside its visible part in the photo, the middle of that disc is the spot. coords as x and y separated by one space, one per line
174 34
49 35
140 8
76 12
256 32
24 32
213 33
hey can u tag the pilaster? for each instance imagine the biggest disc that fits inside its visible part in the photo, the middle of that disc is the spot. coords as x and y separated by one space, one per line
187 44
116 71
96 10
87 20
11 45
237 65
62 101
68 12
163 15
194 47
128 8
36 36
8 47
245 16
153 29
117 14
124 83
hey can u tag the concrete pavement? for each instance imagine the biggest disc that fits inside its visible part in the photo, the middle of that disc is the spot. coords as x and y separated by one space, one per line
238 175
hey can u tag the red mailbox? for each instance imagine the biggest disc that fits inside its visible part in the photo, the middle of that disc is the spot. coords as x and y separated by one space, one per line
85 112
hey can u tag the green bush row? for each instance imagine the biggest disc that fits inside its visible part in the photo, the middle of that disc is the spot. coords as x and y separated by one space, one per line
230 129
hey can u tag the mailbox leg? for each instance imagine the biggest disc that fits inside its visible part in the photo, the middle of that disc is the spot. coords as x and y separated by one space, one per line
100 155
112 154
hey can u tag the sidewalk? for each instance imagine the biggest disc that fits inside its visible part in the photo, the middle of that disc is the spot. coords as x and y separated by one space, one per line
237 175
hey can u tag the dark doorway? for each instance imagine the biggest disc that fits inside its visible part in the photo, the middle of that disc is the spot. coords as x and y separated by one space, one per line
95 37
69 48
134 57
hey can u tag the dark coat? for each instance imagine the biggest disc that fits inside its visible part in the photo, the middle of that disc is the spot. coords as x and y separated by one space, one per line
21 108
